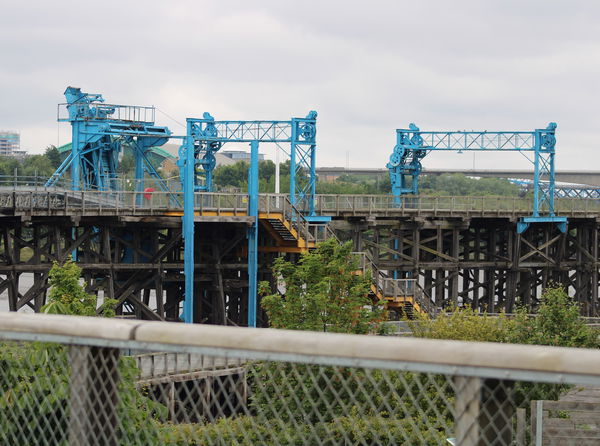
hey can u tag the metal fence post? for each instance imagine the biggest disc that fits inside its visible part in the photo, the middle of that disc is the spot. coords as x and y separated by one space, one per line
93 396
521 426
467 406
484 411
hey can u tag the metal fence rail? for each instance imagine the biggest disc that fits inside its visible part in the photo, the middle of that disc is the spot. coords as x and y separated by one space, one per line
91 381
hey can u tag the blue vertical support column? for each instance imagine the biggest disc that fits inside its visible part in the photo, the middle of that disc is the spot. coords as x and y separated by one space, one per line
293 164
536 176
188 227
313 181
75 155
139 175
253 233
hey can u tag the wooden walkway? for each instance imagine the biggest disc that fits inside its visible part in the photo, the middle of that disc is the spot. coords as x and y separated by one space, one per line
192 386
573 420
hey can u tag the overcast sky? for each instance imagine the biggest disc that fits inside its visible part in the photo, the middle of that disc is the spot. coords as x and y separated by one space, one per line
367 67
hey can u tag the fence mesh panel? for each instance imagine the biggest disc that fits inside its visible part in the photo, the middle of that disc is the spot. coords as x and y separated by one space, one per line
54 394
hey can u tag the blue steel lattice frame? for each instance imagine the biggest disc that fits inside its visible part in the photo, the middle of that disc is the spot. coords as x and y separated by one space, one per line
208 136
204 137
582 191
412 145
99 131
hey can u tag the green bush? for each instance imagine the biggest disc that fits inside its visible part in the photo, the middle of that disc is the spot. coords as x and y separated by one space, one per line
464 325
35 378
353 429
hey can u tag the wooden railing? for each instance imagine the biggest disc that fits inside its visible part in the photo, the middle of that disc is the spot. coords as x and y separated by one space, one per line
392 288
26 197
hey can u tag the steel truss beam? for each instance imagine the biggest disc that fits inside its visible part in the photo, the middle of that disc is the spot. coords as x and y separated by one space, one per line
413 144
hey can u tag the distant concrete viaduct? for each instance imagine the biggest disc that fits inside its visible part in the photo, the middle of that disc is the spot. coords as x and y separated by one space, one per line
589 177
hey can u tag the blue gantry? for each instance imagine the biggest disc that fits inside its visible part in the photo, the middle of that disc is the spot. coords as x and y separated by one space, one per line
205 136
413 144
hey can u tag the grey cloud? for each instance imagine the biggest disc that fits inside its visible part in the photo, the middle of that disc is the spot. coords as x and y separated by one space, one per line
366 67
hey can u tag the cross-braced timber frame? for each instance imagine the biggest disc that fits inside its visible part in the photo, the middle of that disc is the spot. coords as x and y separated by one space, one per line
483 262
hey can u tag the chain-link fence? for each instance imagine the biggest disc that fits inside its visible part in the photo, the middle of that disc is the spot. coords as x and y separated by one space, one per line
89 381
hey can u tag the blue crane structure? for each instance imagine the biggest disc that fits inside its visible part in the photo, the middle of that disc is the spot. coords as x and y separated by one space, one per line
204 137
412 145
99 132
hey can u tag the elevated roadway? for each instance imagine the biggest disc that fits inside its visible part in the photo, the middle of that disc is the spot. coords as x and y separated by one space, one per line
589 177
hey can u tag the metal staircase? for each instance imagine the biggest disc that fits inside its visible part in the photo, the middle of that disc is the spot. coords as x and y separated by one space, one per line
289 228
281 229
403 295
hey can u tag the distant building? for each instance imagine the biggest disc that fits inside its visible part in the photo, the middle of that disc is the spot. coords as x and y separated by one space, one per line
240 155
10 144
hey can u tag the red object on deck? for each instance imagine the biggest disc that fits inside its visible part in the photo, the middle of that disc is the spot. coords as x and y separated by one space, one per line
148 193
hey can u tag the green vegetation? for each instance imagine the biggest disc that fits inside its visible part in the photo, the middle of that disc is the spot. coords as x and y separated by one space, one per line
457 184
67 295
322 293
236 176
345 430
53 156
356 184
464 325
34 385
28 166
46 164
288 403
557 323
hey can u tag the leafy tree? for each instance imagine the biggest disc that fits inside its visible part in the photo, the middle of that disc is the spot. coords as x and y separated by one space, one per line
39 165
322 293
53 156
68 296
556 323
126 166
266 170
236 176
8 165
355 184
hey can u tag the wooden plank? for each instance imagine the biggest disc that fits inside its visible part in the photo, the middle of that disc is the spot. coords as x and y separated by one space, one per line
570 432
571 405
521 426
223 219
192 376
